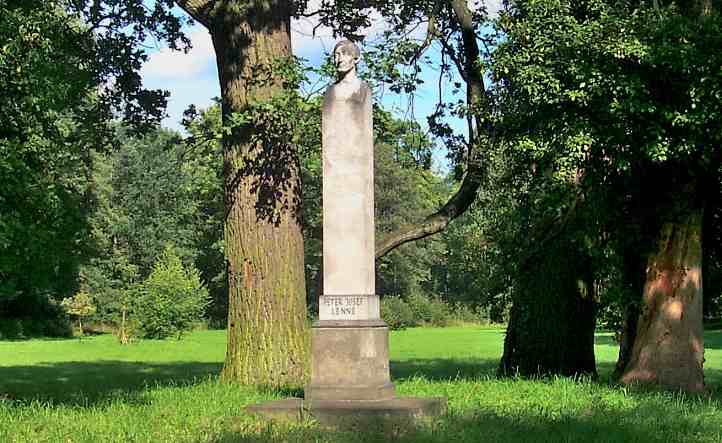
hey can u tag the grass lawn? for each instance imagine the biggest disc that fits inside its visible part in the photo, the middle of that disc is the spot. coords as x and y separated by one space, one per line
95 390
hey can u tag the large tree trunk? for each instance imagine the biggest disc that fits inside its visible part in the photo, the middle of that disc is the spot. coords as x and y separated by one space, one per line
668 347
267 332
551 329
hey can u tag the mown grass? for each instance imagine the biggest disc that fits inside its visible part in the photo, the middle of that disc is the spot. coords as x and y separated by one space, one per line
166 391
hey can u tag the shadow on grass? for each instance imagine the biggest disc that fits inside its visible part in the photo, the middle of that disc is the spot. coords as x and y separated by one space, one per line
648 423
472 369
713 339
89 383
443 369
606 340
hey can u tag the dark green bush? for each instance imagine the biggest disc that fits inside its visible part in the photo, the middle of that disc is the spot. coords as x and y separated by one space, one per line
11 329
33 327
57 327
21 328
464 313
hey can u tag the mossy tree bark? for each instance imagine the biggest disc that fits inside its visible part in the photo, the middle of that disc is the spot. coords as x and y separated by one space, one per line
267 332
553 316
668 347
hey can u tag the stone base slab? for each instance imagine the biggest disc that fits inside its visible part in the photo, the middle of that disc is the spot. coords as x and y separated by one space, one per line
344 393
350 412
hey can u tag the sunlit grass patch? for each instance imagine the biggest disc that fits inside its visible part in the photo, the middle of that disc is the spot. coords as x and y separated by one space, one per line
167 391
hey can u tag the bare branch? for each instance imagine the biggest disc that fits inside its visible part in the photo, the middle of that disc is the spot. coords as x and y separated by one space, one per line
475 98
431 34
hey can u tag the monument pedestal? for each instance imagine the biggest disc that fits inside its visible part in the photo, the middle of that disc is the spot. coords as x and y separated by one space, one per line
350 378
350 381
349 361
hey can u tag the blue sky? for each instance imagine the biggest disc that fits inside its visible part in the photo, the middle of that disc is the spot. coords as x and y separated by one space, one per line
192 78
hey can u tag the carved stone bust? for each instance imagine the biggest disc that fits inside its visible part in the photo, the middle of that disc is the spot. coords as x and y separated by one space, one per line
346 56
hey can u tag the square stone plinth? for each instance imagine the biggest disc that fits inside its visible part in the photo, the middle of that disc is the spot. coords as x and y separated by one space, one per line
352 413
349 363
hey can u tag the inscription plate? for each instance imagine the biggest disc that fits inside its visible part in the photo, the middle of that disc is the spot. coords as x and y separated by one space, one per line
348 307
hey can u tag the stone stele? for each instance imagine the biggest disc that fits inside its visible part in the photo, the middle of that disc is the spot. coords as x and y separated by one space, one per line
350 377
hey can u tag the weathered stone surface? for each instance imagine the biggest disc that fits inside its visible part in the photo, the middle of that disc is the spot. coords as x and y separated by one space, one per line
348 189
353 413
349 363
282 410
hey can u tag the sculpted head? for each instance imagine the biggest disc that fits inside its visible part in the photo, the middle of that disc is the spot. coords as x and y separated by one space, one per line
345 56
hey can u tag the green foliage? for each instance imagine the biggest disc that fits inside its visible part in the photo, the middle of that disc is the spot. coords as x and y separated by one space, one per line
67 68
48 128
419 309
171 299
428 310
79 305
54 325
611 117
152 190
397 313
406 191
465 314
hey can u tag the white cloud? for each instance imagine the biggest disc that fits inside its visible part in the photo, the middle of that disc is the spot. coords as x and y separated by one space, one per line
191 78
170 64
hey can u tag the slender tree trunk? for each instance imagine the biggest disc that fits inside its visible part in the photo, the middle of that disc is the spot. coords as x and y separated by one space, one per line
669 347
633 273
267 333
551 329
626 339
123 334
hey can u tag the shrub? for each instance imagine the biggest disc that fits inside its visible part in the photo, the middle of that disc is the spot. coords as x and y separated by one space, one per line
171 300
22 328
33 327
464 313
57 327
396 313
80 305
421 307
429 310
11 328
440 312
